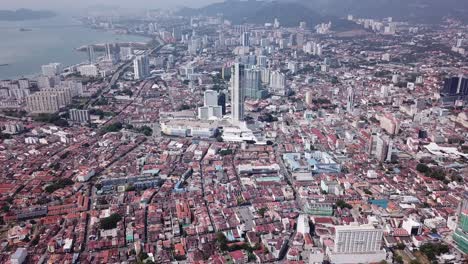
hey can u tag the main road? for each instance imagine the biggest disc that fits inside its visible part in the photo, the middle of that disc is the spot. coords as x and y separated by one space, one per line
118 73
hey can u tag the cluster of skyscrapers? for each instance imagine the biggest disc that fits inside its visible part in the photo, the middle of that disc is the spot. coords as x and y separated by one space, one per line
246 83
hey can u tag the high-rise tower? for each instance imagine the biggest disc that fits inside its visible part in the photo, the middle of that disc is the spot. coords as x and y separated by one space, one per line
237 93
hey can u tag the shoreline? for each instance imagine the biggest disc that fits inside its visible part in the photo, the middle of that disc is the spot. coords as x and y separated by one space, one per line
81 49
101 46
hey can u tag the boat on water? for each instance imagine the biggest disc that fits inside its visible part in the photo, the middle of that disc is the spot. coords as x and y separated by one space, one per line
25 29
4 64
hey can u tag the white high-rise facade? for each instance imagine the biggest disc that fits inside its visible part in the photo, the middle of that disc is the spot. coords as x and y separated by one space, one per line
252 84
141 67
265 75
210 98
89 70
262 61
278 83
357 244
51 69
309 98
210 112
237 93
79 115
276 24
357 239
126 53
210 109
245 39
43 102
303 224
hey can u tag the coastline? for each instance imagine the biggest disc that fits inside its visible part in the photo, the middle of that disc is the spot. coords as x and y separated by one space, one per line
72 56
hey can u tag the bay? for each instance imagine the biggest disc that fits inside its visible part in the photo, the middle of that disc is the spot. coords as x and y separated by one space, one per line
46 41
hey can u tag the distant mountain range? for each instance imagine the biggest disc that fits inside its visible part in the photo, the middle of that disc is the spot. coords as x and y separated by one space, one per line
291 12
259 12
425 11
24 14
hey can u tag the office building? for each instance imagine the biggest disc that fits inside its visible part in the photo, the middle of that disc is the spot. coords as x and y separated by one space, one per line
379 148
248 60
187 71
16 93
237 93
51 69
350 100
278 83
141 67
76 87
460 236
292 66
19 256
91 54
276 24
24 83
245 39
357 244
313 48
170 60
292 40
65 94
309 98
455 88
210 98
45 82
222 102
210 112
13 128
79 115
187 128
357 239
264 42
395 78
126 53
194 45
89 70
43 102
303 226
265 76
252 84
386 57
300 40
262 61
413 227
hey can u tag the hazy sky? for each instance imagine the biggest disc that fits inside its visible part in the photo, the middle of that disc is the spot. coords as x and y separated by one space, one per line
60 4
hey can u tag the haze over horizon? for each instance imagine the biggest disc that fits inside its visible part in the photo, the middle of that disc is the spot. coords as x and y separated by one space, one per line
60 5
